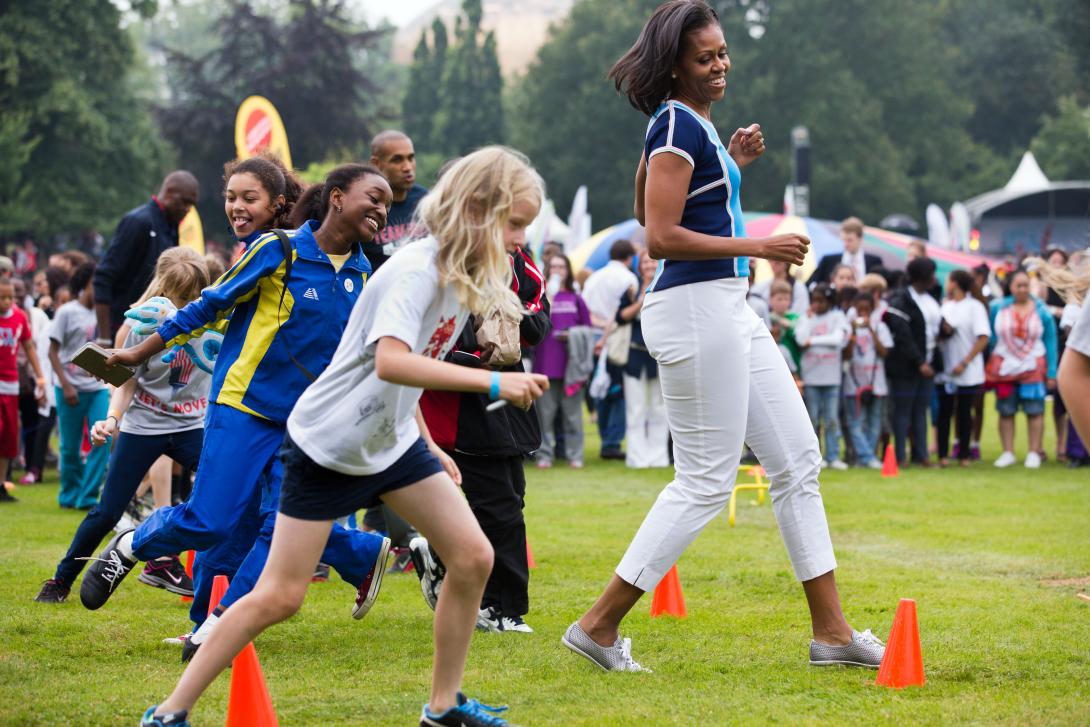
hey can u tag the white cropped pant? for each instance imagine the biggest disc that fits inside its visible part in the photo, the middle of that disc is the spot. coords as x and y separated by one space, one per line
646 435
726 383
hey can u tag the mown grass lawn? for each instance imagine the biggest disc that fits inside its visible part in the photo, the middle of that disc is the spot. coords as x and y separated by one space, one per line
971 546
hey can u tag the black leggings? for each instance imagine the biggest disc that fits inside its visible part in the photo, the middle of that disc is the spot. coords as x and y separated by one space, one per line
131 458
960 406
38 445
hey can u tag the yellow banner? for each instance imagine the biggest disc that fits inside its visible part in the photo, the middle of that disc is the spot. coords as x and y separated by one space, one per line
190 232
258 126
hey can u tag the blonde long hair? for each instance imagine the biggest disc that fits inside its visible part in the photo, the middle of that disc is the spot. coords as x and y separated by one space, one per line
1070 282
180 275
467 211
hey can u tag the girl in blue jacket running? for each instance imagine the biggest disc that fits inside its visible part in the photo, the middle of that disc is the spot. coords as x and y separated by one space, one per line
288 299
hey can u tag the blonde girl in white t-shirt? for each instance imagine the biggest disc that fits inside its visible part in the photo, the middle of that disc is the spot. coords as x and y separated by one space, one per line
354 437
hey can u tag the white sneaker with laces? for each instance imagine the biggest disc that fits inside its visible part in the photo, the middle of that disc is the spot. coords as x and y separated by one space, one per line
1006 459
488 619
839 464
1033 461
515 623
874 464
865 650
610 658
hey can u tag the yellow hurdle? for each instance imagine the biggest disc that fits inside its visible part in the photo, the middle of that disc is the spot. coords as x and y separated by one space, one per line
760 484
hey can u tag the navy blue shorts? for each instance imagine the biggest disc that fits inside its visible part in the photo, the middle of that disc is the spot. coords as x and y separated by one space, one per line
313 492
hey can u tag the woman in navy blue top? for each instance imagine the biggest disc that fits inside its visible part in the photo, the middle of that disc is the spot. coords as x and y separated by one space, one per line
723 379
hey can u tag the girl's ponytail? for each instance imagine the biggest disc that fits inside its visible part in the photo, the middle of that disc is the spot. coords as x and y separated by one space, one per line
313 203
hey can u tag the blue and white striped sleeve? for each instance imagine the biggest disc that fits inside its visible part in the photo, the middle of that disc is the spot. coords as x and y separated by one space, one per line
675 132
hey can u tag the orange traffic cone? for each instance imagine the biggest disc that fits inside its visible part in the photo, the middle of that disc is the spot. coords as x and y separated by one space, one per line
249 704
189 556
530 562
902 665
889 464
668 599
219 589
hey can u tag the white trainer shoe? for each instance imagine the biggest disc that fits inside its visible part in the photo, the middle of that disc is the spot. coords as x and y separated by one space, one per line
1033 461
1006 460
839 464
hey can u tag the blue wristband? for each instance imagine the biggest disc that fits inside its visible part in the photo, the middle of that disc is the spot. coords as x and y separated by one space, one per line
494 390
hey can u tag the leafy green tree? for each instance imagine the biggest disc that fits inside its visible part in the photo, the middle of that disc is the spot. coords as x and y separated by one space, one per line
325 75
875 83
79 148
1062 146
566 116
420 105
470 95
872 82
1012 61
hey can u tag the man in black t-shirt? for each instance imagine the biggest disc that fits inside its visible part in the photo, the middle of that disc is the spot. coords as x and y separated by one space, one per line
393 153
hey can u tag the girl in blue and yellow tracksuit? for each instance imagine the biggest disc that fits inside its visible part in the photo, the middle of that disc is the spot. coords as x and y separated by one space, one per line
276 342
259 195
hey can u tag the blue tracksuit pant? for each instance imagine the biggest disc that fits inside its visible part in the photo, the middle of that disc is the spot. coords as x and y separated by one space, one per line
240 465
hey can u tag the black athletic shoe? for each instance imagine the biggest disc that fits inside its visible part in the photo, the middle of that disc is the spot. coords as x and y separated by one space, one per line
53 591
105 574
612 454
468 713
429 569
6 496
189 649
168 573
195 639
321 573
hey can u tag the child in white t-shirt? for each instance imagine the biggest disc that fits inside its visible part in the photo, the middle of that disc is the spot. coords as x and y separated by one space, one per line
822 334
963 337
354 437
865 388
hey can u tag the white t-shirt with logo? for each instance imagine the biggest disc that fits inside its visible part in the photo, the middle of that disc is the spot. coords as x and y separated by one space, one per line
169 397
969 319
866 368
351 421
826 335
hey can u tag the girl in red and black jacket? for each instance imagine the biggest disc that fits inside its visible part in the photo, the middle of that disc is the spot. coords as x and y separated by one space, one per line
490 448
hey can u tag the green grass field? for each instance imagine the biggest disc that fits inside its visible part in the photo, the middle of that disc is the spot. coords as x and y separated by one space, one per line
973 547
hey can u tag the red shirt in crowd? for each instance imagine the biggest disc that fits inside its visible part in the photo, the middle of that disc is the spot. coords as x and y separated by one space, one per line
14 329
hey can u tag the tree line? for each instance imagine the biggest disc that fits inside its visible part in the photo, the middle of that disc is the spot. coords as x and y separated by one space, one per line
906 103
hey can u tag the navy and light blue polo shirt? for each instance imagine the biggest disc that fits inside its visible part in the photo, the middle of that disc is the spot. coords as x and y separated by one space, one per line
713 205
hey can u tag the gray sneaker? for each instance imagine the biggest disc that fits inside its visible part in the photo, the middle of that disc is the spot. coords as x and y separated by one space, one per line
611 658
865 650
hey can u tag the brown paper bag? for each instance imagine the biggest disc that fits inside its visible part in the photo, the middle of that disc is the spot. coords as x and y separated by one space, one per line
498 337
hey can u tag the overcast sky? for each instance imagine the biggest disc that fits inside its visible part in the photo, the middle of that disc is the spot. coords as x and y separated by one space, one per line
398 12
